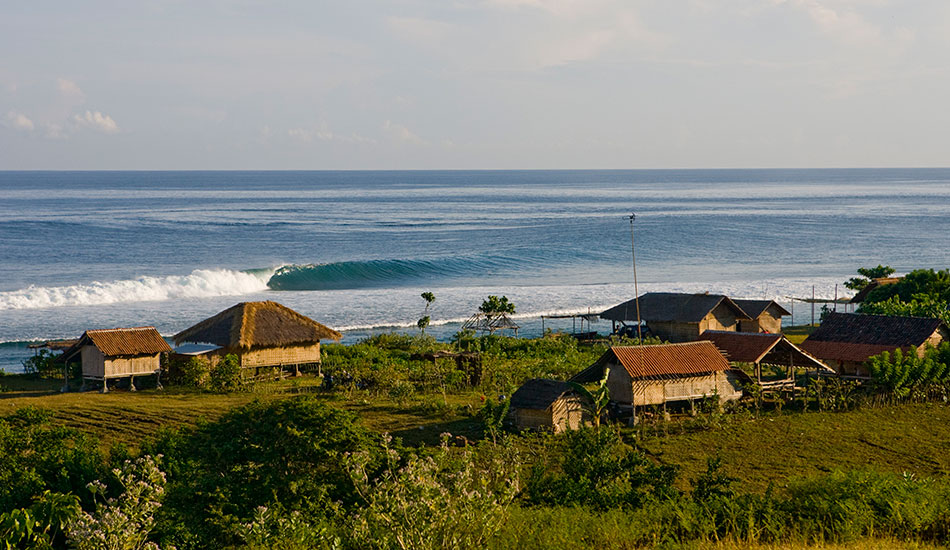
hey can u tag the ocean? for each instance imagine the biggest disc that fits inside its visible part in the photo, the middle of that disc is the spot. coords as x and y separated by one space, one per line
354 250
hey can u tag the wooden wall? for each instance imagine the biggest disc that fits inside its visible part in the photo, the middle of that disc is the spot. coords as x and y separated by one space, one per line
564 414
288 355
97 365
627 391
769 321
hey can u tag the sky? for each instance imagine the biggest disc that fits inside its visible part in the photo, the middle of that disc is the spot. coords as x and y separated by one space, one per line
481 84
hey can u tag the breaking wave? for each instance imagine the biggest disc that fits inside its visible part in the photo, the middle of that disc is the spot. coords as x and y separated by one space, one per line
200 283
372 273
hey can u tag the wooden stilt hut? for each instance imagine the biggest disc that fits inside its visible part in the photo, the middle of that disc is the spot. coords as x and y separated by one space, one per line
109 354
262 335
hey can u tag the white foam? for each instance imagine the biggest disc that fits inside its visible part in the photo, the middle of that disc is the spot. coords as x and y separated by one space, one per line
200 283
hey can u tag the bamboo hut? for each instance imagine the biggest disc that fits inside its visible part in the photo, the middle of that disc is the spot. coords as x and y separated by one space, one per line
845 341
546 405
658 374
108 354
764 316
678 317
759 348
262 335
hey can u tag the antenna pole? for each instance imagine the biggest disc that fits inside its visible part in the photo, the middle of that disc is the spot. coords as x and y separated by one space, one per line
636 290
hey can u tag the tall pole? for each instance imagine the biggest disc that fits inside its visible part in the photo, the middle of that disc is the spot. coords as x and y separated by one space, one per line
636 290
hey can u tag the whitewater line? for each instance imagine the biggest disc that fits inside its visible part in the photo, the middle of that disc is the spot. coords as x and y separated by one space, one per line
200 283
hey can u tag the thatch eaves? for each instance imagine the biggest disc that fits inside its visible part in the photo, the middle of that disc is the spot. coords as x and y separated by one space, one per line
257 324
539 394
121 342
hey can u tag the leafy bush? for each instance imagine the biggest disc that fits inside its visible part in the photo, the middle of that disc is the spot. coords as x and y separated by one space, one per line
37 455
43 364
227 375
445 500
191 372
594 467
286 454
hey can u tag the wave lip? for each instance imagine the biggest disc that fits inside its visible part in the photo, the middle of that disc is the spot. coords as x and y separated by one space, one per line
363 274
200 283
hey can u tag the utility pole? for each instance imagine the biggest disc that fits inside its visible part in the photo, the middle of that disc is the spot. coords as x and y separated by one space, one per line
636 290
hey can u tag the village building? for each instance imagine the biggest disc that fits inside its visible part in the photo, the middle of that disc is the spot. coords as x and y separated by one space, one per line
678 317
845 341
764 316
759 348
109 354
546 405
663 373
261 334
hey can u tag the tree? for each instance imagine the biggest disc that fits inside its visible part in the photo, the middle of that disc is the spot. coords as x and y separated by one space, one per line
867 275
495 306
597 400
423 323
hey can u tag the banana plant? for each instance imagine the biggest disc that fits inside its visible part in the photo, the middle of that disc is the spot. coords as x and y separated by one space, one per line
597 400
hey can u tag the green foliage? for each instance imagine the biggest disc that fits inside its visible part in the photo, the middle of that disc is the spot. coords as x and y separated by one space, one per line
123 521
270 528
921 293
43 364
492 417
192 372
444 500
401 391
867 274
227 376
37 455
423 323
597 400
286 452
594 467
40 526
494 306
900 374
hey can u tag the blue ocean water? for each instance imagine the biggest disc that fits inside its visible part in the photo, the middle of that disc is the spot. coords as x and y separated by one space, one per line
354 250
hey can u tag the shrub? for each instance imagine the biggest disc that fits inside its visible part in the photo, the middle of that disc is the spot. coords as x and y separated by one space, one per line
43 364
227 375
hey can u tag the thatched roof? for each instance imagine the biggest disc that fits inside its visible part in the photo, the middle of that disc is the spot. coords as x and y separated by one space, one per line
539 394
856 336
257 324
755 308
659 361
672 306
117 342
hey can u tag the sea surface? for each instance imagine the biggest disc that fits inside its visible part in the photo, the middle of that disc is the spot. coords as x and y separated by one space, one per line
354 250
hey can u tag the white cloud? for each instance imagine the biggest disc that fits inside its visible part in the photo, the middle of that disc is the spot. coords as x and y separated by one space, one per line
18 121
55 131
70 90
401 133
844 24
324 133
96 121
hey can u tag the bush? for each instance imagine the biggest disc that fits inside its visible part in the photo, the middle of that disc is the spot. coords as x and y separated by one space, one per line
192 372
286 454
227 375
43 364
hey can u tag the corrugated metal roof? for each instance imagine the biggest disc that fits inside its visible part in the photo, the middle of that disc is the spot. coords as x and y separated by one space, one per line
672 306
844 351
195 349
742 347
122 341
666 360
885 330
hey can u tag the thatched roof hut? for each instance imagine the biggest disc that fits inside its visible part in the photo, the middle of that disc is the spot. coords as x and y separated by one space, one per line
261 334
118 353
760 348
548 405
679 317
845 341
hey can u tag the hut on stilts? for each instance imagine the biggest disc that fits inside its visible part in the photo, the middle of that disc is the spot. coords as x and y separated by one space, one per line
118 353
263 335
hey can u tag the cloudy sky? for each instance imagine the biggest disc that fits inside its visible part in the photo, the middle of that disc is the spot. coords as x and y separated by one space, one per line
407 84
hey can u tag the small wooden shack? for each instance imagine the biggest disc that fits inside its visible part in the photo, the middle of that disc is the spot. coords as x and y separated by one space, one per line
845 341
679 317
653 375
262 335
546 405
109 354
759 348
764 316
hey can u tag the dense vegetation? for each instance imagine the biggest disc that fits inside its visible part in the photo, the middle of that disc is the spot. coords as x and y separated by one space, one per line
297 465
920 293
